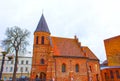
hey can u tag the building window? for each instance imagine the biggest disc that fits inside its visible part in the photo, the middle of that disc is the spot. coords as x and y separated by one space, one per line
106 76
111 74
42 61
117 73
77 68
12 62
42 40
97 77
90 68
5 78
22 62
7 62
21 69
26 61
63 68
11 68
37 39
6 69
96 67
26 69
10 78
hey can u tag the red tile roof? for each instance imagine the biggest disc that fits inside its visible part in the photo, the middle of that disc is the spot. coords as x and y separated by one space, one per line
71 47
66 47
89 53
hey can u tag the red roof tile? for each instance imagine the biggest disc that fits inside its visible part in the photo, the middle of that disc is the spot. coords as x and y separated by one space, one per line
89 53
66 47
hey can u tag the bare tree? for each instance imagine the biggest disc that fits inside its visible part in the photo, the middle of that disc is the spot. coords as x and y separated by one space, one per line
17 40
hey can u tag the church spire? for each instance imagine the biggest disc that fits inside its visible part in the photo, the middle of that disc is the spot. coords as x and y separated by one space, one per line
42 25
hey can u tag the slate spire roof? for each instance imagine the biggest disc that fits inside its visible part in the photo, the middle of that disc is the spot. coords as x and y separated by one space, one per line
42 25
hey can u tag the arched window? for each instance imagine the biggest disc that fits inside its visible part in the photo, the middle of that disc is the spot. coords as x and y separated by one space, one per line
63 68
42 61
42 40
117 74
77 68
90 68
97 77
37 39
111 74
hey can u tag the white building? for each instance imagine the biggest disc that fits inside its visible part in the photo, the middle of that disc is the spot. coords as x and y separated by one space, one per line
23 67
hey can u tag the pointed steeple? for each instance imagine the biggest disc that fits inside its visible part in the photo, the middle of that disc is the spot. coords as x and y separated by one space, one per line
42 25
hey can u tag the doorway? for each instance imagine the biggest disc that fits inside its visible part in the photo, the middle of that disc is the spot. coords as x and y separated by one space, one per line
42 76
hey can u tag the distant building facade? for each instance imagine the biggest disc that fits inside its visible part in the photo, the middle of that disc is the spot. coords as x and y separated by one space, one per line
110 73
62 59
23 68
110 68
112 48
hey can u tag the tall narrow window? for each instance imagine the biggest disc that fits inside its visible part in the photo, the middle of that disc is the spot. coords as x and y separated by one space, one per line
26 61
21 69
97 77
118 74
42 61
11 68
90 68
22 62
6 69
106 76
12 62
42 40
26 69
37 39
111 74
77 68
63 68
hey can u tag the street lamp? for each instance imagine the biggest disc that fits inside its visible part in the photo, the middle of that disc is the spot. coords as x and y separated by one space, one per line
4 53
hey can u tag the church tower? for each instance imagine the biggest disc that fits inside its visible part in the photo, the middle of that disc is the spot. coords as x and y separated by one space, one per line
41 50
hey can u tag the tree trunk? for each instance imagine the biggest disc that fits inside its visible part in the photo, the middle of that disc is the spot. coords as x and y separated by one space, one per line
3 59
15 66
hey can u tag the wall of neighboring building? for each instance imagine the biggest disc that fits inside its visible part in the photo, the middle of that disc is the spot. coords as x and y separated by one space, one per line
24 68
110 74
112 48
110 70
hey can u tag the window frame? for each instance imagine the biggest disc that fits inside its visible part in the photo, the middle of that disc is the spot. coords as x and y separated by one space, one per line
11 69
63 67
117 74
37 39
27 62
42 61
26 69
42 40
77 68
111 74
22 61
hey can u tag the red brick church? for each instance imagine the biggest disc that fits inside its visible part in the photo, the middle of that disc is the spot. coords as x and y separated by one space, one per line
62 59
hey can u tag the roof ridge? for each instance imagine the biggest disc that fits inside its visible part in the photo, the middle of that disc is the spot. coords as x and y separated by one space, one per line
112 37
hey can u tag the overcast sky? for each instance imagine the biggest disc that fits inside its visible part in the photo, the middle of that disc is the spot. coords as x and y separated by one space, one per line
91 20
